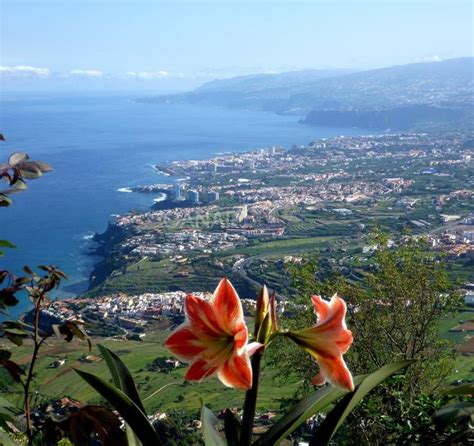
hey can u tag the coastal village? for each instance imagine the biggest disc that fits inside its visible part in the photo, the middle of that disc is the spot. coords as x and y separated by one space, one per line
237 223
236 201
216 198
250 215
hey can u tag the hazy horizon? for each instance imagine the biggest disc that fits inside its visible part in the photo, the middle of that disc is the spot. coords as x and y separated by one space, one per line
164 46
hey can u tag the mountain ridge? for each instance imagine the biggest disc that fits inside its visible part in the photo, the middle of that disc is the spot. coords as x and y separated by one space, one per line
421 87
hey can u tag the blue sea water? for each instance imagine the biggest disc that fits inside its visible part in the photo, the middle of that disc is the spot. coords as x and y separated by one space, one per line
100 143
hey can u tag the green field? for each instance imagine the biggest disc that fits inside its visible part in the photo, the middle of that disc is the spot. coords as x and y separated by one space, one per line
287 246
157 276
160 391
464 368
163 391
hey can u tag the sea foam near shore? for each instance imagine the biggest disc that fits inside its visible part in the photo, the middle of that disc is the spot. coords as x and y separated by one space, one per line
161 197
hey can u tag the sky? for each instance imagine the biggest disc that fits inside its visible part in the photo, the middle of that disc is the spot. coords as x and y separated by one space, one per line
180 44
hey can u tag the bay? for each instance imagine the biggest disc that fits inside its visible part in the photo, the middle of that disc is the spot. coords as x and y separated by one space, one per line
99 143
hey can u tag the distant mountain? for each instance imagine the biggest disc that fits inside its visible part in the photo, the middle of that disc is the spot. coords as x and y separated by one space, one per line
433 93
414 117
267 81
269 92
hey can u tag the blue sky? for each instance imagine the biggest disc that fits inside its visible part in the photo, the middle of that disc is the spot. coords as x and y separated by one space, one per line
173 42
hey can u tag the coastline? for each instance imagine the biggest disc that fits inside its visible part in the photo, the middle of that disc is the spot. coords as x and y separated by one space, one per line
226 218
55 235
114 234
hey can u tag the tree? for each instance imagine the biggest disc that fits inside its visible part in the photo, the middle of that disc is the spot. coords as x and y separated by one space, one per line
394 312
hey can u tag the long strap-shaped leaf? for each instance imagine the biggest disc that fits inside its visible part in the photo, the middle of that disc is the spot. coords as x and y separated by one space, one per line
209 431
121 375
130 412
5 440
343 408
122 379
303 410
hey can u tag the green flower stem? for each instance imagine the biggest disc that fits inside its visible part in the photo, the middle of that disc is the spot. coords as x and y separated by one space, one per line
250 403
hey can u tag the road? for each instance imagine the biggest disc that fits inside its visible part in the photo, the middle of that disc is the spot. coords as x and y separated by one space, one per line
239 268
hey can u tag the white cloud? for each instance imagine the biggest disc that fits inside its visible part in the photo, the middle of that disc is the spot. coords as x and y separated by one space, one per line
432 58
23 71
148 75
86 73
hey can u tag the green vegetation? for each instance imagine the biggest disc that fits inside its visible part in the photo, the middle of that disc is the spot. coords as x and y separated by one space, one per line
51 383
152 276
404 307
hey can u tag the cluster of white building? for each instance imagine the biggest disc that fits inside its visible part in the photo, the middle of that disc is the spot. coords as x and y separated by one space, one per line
188 240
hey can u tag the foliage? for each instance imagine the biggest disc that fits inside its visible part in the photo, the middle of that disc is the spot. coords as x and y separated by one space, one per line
124 397
394 312
425 419
455 419
16 171
5 244
178 429
83 425
398 309
36 285
37 288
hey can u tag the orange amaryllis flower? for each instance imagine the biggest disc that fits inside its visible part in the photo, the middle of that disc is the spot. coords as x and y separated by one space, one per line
213 339
327 341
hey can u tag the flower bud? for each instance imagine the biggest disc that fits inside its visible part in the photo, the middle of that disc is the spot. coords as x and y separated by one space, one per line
265 319
262 309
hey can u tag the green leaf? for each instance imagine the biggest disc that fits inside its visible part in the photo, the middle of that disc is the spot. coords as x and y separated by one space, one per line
303 410
44 167
467 389
21 281
123 380
7 414
4 200
453 413
5 243
72 328
336 417
29 170
7 297
209 432
5 354
19 184
232 428
129 411
27 270
16 331
132 439
14 370
5 440
17 340
121 375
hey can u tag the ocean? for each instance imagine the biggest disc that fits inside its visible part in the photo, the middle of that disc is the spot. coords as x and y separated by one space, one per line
99 145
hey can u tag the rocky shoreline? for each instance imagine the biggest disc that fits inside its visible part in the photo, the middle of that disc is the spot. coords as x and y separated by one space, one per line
111 237
106 242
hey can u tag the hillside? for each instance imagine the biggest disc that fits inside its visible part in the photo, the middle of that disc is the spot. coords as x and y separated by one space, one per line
444 89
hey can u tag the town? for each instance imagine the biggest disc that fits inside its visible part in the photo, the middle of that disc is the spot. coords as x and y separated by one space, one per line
339 187
246 215
251 216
